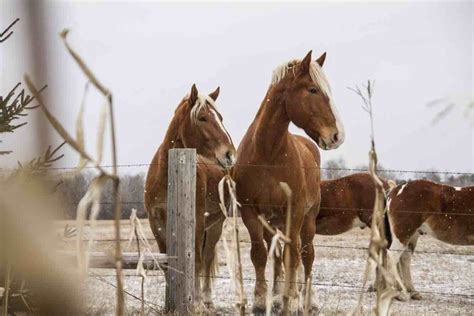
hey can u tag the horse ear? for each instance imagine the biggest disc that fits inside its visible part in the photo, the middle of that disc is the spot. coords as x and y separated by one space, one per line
306 62
215 94
193 96
321 59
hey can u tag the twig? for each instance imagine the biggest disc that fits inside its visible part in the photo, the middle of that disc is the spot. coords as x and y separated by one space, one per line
2 38
286 254
116 182
234 261
133 218
11 110
378 243
58 126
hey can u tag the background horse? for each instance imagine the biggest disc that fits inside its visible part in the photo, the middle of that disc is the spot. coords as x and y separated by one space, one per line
425 207
196 124
270 154
348 202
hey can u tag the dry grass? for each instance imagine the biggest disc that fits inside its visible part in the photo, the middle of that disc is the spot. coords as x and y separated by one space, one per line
333 266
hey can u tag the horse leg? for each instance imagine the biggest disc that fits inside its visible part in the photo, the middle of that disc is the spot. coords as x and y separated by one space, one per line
209 257
157 218
308 230
199 242
405 268
278 275
258 254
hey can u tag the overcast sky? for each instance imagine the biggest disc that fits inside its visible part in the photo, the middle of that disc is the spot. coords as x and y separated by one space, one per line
149 55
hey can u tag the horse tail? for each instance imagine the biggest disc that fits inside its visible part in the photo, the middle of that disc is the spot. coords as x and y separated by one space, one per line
386 222
388 231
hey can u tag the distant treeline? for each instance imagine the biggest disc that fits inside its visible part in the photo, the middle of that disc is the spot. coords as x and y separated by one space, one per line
132 187
71 190
336 168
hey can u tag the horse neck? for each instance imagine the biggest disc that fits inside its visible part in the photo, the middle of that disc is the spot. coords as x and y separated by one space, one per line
271 124
172 140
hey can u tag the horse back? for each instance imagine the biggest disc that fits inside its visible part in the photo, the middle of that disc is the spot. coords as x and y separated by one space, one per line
432 208
346 203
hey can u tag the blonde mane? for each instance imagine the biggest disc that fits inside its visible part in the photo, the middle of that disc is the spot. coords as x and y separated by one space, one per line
203 102
315 71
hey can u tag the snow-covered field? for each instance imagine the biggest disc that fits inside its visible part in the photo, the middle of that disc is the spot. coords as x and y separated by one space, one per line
446 281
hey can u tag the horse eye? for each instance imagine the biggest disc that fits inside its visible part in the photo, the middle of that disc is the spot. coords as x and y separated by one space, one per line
313 90
202 119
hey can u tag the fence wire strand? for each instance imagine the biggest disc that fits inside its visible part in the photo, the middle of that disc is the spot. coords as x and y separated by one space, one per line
260 166
346 286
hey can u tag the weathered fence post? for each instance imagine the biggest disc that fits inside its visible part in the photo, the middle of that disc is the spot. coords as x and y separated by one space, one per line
180 230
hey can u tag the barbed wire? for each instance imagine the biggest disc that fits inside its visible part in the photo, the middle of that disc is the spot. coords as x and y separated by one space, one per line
338 209
101 278
461 254
339 285
260 166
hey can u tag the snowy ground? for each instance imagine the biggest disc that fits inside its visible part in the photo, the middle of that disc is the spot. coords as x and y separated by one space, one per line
446 281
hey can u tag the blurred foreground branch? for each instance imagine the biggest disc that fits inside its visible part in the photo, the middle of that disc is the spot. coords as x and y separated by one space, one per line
93 194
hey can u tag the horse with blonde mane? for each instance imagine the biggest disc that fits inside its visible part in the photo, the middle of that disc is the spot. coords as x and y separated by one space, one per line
196 124
269 154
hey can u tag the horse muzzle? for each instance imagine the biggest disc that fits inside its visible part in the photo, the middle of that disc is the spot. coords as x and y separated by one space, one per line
227 158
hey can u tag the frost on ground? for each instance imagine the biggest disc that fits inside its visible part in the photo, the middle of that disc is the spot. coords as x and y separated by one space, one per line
444 280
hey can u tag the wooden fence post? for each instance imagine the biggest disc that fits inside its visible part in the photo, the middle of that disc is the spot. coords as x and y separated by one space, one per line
180 230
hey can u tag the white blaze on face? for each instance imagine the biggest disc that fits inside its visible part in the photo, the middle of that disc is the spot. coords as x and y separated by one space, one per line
219 122
318 76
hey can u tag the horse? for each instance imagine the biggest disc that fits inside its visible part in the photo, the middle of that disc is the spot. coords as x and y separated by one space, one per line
269 155
348 203
424 207
196 124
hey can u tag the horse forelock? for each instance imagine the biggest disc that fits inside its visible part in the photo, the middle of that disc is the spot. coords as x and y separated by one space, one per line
315 71
203 102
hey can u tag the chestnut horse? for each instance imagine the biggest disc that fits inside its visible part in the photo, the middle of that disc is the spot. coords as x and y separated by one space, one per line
269 154
426 207
348 202
196 124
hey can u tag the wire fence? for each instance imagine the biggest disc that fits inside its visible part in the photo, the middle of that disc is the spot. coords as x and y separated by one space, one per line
317 245
348 287
282 206
446 172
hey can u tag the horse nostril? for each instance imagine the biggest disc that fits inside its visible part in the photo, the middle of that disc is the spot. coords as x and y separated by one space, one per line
230 157
335 137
